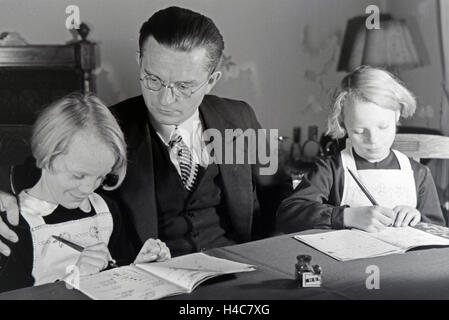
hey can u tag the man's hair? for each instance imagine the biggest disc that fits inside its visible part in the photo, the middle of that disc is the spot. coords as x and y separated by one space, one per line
369 84
184 30
61 120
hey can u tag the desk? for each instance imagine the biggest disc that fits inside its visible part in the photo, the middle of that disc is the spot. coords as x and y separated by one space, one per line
421 274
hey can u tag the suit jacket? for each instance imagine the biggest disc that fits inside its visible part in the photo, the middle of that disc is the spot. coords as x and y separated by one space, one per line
137 193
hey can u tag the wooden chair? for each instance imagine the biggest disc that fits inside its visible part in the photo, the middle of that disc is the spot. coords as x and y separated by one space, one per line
436 148
419 146
14 143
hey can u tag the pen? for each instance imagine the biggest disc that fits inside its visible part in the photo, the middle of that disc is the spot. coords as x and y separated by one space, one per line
111 264
363 188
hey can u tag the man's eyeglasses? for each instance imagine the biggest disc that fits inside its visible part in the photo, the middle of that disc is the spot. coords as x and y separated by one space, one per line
179 89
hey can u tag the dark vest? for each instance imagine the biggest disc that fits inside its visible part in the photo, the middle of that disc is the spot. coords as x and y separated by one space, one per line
188 221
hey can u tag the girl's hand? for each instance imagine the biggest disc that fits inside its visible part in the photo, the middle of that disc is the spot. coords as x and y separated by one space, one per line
405 216
370 219
153 250
93 259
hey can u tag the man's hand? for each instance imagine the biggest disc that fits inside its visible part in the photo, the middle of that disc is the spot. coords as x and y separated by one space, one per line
405 216
153 250
371 219
93 259
9 204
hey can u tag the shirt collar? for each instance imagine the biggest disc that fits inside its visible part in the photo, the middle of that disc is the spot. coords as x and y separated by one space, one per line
390 162
186 129
39 207
35 206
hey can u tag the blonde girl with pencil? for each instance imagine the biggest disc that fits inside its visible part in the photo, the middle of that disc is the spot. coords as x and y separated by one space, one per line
366 109
67 218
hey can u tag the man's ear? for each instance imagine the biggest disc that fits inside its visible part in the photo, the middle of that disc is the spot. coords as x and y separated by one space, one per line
213 79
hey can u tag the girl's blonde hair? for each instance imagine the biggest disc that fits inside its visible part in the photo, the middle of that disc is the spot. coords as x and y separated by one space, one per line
368 84
62 119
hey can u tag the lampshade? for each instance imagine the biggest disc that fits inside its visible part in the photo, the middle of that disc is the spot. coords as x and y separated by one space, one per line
391 47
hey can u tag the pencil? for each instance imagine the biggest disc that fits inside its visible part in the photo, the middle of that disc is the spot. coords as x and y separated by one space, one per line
363 188
112 263
69 243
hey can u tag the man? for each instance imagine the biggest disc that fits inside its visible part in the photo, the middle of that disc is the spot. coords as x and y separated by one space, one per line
173 189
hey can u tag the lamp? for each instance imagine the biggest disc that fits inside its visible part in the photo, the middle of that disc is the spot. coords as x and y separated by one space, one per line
391 47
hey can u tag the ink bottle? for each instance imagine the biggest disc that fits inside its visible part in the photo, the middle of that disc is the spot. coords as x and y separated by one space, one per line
302 265
305 274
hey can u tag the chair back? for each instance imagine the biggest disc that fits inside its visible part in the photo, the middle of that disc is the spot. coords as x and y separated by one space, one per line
419 146
14 143
436 148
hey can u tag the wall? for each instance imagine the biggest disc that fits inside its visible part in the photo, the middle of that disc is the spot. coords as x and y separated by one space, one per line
425 81
285 51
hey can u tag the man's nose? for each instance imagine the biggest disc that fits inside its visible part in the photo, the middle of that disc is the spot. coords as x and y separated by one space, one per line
166 96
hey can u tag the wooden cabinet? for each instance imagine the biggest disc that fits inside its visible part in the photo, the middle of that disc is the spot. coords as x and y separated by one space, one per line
31 76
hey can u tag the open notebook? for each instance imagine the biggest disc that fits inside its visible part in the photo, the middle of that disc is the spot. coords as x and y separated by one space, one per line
345 245
149 281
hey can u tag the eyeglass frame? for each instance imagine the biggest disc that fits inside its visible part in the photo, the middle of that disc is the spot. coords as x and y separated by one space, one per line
172 85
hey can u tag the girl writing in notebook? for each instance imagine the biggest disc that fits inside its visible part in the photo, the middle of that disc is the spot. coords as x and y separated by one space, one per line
366 110
78 146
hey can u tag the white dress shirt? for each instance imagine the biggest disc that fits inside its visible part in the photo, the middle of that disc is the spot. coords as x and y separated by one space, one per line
191 131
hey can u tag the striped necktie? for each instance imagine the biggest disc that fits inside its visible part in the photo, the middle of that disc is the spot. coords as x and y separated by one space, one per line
189 169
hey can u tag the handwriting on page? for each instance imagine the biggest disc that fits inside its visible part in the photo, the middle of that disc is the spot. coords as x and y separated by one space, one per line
347 244
203 262
189 269
158 279
127 283
185 277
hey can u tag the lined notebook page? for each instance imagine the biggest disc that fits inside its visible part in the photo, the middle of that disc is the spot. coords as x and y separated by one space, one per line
407 238
347 245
